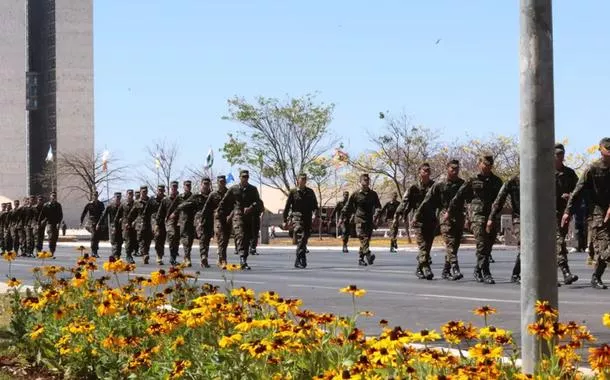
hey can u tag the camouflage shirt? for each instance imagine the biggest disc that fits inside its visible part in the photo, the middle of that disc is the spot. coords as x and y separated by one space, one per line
481 192
389 209
301 202
363 205
141 214
438 198
237 199
510 188
565 182
595 183
95 209
190 207
413 197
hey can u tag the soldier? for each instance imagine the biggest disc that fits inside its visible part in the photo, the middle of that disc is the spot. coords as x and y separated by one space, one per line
302 203
187 233
39 226
425 227
30 220
387 214
336 215
139 218
365 206
595 181
159 232
51 215
137 196
8 238
244 200
565 182
509 189
187 210
222 226
15 223
109 218
166 215
480 191
256 229
2 222
130 236
95 209
437 198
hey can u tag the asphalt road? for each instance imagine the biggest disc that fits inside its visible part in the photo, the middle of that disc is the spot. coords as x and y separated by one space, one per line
393 291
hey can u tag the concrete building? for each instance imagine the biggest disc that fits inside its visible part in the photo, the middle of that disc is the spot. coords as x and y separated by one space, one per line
46 100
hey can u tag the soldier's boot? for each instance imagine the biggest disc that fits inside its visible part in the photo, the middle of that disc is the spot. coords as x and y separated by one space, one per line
487 277
222 264
419 272
94 254
370 258
302 257
345 250
129 258
456 274
427 272
516 276
596 279
361 261
204 262
568 278
491 259
297 261
446 275
244 264
187 261
478 276
146 259
173 259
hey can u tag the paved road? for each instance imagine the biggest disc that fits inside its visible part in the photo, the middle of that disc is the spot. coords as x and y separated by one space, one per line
394 293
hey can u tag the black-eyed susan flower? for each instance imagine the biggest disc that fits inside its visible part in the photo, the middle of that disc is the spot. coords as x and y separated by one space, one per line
482 352
232 267
36 332
484 311
179 367
599 358
13 283
44 255
353 289
227 341
9 256
545 310
542 329
606 320
425 336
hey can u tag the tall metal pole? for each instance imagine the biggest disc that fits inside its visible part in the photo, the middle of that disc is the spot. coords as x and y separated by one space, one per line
538 220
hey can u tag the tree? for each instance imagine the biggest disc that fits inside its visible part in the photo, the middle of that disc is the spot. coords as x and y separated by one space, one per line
321 174
85 173
504 149
160 164
280 139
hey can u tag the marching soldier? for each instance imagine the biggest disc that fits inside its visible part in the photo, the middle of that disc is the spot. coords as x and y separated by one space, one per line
452 229
95 209
187 230
2 223
8 238
244 201
302 203
595 181
166 215
110 219
256 229
187 210
51 215
222 226
336 215
387 214
129 233
139 218
137 196
480 191
15 223
38 225
425 227
29 225
159 232
365 206
565 182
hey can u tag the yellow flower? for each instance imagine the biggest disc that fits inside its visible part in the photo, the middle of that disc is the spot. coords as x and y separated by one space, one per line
542 329
227 341
179 342
544 309
179 367
44 255
599 358
353 289
425 336
158 278
484 311
79 279
107 307
13 283
9 255
482 352
606 320
491 332
232 267
36 331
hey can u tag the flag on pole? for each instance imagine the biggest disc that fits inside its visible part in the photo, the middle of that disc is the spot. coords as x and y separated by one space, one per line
230 178
209 160
105 157
49 154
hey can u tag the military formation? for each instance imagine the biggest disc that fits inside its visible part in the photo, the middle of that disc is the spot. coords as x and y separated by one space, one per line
23 225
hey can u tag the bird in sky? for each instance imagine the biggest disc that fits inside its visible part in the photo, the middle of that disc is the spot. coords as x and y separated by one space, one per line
437 41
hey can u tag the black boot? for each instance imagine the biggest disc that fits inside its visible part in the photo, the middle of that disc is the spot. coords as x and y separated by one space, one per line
446 275
487 278
478 276
204 262
596 279
244 264
419 272
304 259
345 248
428 275
362 262
457 275
370 258
568 278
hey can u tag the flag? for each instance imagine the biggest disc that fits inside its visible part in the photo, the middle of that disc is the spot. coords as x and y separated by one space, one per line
157 162
340 157
230 178
50 154
105 157
209 160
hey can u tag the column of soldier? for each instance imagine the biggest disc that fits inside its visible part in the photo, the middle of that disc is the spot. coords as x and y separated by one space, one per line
23 225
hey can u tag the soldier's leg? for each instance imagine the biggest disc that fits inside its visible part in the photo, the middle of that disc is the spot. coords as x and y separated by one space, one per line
204 246
562 254
488 241
95 242
40 238
221 243
393 236
16 242
602 249
299 233
361 232
450 256
591 238
256 226
242 229
160 236
186 239
53 236
422 234
8 240
478 230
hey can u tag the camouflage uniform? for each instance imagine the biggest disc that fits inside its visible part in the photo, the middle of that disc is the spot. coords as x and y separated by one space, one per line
345 226
187 226
8 238
51 215
16 225
222 226
158 227
2 222
596 182
437 198
364 205
244 201
387 213
189 209
38 226
130 236
480 191
510 189
256 229
424 228
139 218
29 217
565 182
166 215
302 204
95 209
110 219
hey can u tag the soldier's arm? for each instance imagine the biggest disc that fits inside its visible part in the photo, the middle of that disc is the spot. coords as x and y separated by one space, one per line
430 203
463 194
583 185
287 206
348 207
226 203
61 212
84 213
500 200
377 205
103 218
315 207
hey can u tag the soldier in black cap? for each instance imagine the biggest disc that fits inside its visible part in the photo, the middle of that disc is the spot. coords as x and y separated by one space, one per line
139 218
39 227
187 232
243 201
187 210
52 215
166 215
222 226
302 204
129 233
111 220
95 209
158 227
595 183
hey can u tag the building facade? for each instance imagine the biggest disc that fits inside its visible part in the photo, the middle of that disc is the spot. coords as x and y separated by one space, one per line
46 71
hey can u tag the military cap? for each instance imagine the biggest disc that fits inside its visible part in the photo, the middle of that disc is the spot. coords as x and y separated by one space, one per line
161 187
117 194
53 192
559 148
487 159
244 172
302 175
174 183
143 187
205 179
221 177
130 191
187 182
604 146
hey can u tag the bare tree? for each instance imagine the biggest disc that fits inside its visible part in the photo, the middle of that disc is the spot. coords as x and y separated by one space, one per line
160 164
504 149
86 174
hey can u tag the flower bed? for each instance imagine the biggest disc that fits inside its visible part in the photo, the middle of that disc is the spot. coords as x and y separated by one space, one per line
171 326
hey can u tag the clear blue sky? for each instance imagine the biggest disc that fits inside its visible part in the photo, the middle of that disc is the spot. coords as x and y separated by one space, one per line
165 68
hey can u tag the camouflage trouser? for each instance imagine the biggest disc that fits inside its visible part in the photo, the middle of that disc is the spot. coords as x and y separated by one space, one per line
95 239
424 237
517 234
364 230
187 236
560 246
53 232
256 228
173 239
484 242
394 233
222 233
160 236
130 237
452 232
242 228
16 239
601 242
207 231
144 238
302 231
29 240
8 239
116 242
39 235
591 239
2 249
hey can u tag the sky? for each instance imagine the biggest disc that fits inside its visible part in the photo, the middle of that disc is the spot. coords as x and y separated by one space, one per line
164 69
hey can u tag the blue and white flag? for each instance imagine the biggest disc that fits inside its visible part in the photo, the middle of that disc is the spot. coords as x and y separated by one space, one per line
209 160
230 178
